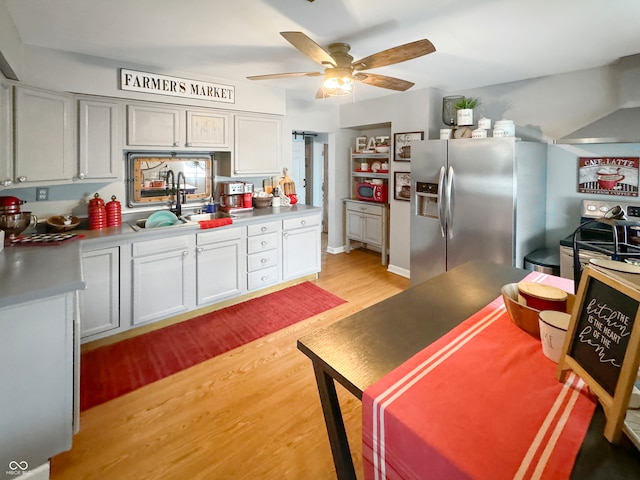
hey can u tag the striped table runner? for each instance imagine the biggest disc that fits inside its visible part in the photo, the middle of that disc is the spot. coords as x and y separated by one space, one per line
482 402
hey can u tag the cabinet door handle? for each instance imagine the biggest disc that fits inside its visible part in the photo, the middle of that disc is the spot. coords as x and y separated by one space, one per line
263 243
185 253
82 176
263 229
6 183
303 222
199 250
264 278
176 144
285 234
188 144
22 179
263 260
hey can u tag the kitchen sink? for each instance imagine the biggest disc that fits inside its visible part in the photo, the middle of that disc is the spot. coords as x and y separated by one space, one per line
197 217
139 225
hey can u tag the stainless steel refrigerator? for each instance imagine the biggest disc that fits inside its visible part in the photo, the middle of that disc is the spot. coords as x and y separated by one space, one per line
475 199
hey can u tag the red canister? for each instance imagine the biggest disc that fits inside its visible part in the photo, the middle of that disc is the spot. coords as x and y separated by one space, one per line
97 213
114 212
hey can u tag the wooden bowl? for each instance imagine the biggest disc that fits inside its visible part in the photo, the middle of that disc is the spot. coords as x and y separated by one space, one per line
56 223
523 316
261 202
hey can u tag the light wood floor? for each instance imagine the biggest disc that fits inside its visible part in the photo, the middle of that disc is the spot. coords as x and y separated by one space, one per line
252 413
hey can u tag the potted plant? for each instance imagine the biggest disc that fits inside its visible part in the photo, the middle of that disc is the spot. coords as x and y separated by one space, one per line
465 108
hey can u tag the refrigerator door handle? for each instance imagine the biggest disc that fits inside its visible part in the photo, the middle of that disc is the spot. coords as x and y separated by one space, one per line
441 201
450 202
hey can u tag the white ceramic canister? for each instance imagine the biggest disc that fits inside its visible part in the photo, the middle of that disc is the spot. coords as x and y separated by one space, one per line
553 331
364 166
479 133
508 126
498 132
484 123
445 133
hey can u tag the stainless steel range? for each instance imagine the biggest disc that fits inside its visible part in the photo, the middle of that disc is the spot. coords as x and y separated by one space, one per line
608 229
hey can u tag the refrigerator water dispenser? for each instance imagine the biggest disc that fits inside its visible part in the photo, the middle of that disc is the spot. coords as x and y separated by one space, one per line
427 199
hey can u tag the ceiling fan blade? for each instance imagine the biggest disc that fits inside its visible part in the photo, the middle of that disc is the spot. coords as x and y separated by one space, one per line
383 81
285 75
310 48
398 54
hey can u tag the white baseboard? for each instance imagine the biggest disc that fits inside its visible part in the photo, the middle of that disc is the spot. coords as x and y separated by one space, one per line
399 271
335 250
38 473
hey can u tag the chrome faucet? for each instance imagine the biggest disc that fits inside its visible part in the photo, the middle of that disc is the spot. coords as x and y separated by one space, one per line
180 199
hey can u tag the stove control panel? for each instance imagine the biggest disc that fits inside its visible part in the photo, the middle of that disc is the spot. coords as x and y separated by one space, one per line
599 208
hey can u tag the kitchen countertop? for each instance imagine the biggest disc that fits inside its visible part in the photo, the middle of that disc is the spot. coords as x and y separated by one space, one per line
33 273
30 273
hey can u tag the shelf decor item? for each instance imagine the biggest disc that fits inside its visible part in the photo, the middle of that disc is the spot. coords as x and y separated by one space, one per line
465 108
449 111
402 145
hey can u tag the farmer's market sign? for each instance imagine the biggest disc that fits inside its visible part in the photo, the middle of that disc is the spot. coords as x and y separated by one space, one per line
175 86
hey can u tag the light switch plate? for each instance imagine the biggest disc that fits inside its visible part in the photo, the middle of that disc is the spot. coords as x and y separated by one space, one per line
42 193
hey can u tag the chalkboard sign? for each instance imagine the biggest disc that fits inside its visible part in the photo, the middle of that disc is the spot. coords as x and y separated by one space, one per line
603 342
603 327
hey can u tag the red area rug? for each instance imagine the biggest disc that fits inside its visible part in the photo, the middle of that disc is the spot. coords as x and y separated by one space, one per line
113 370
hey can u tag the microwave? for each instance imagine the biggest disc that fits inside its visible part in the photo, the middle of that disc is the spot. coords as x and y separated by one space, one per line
371 192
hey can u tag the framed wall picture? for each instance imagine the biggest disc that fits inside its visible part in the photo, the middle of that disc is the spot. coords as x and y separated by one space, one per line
402 186
402 145
608 176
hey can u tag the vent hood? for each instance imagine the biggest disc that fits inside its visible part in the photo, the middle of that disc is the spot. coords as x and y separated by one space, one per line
621 126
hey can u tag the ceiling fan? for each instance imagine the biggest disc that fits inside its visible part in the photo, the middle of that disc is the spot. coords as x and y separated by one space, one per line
341 71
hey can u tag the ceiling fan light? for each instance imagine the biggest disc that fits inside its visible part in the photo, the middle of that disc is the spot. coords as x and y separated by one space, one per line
337 85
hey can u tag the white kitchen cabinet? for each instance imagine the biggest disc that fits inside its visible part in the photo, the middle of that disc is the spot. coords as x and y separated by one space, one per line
220 268
163 278
153 125
300 246
100 301
6 136
263 254
208 129
257 145
44 135
37 358
367 223
172 127
99 138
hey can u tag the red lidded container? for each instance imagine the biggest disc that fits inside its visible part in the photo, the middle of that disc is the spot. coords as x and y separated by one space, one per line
114 212
97 213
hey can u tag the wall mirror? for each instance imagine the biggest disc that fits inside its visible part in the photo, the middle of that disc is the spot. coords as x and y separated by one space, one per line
148 173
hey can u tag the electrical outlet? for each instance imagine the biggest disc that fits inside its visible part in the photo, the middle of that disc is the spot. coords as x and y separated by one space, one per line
42 193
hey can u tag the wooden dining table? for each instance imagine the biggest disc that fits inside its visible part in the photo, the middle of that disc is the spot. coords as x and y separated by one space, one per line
359 350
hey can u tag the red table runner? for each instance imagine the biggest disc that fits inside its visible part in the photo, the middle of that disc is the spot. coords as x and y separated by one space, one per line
482 402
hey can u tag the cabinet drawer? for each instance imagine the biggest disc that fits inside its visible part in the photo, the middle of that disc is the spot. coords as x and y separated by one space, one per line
152 247
262 243
299 222
262 228
262 278
364 208
261 260
218 236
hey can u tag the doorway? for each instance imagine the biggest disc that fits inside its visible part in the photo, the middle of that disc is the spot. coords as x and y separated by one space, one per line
309 169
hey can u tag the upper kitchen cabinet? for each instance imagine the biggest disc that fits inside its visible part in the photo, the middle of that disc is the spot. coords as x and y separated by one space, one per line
151 125
6 138
257 145
208 129
99 138
44 135
171 127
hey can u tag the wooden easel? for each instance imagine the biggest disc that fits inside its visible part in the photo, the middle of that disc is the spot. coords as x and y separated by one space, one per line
603 342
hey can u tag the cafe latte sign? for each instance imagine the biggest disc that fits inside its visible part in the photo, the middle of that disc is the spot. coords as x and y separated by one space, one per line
174 86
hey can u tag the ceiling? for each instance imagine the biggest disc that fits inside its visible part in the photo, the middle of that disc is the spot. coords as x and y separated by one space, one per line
478 42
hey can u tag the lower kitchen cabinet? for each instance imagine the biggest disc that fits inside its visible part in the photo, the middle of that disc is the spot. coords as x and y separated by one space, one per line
163 278
219 265
100 301
263 255
367 223
300 246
